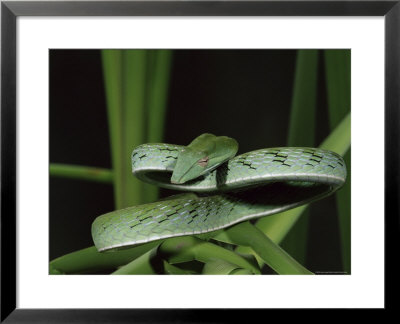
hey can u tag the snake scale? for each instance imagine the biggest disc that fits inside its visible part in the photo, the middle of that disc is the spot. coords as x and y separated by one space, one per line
254 184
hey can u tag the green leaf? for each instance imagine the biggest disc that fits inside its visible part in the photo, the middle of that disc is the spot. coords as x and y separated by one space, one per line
159 66
302 133
158 94
136 83
240 272
246 234
133 122
338 82
302 114
338 79
188 248
89 260
144 264
112 74
339 139
174 270
219 267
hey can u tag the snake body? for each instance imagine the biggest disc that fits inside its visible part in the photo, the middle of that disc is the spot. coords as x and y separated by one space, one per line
248 186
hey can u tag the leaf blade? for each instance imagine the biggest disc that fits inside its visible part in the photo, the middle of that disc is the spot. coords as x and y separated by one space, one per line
302 133
338 81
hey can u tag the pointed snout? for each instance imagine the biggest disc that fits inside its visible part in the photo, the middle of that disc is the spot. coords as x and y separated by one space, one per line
178 176
176 179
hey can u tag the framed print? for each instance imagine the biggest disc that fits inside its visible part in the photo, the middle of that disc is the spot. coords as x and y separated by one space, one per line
180 143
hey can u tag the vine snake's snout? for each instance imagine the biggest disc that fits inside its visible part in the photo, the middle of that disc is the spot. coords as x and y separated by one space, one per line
229 189
202 155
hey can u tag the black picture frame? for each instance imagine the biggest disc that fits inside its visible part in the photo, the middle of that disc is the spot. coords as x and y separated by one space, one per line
10 10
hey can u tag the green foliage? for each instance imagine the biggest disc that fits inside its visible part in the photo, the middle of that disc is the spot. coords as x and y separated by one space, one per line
246 234
136 84
338 86
302 117
89 260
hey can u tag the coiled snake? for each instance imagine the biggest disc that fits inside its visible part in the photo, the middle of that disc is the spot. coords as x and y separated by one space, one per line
228 189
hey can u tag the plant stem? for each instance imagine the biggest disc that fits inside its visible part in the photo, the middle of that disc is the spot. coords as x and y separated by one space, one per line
302 113
246 234
338 83
141 265
81 172
133 121
159 65
90 260
112 74
220 267
171 269
302 133
158 94
339 140
188 248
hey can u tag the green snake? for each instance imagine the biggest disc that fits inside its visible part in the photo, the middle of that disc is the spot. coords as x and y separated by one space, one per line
224 189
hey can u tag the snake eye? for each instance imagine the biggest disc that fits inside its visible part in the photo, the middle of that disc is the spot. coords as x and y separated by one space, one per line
203 162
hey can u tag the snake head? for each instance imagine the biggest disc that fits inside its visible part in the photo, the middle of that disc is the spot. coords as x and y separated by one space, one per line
201 156
189 165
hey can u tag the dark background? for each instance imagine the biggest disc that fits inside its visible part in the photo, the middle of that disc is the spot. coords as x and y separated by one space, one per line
244 94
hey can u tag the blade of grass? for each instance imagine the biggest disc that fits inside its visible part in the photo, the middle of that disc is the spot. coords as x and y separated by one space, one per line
337 67
302 114
180 250
343 198
133 125
112 74
125 84
302 133
219 267
90 260
240 272
148 264
158 70
339 139
173 270
188 248
158 94
141 265
81 172
246 234
136 83
338 82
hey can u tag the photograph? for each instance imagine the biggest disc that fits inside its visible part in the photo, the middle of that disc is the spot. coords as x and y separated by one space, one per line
200 161
177 143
